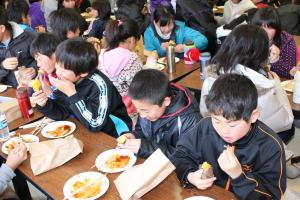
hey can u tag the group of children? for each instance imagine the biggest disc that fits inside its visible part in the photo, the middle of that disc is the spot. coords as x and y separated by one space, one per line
247 113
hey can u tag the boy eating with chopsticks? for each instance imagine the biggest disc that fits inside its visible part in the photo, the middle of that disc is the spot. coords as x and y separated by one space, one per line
252 165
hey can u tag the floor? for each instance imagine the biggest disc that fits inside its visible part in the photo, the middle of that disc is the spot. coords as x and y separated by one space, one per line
293 192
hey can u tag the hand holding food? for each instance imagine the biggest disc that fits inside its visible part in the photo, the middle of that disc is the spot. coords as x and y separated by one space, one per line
122 139
207 170
16 156
40 98
229 163
196 179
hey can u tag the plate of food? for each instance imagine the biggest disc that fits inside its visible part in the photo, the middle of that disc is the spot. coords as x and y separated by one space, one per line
163 60
3 88
58 129
115 160
11 143
288 85
86 185
158 66
199 198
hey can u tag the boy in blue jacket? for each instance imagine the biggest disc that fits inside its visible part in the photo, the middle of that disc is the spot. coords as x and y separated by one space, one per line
247 157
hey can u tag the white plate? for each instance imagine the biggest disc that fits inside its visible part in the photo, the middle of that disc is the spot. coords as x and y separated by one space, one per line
288 85
52 126
104 156
163 60
199 198
27 139
158 67
68 187
3 88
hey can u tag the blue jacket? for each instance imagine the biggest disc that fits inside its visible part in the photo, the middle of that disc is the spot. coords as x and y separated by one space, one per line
182 33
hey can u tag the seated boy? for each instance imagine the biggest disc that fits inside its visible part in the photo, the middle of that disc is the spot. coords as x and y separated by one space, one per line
166 113
17 11
43 50
14 51
83 91
246 156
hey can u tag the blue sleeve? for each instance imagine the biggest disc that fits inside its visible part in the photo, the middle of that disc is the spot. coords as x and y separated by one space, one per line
152 43
199 39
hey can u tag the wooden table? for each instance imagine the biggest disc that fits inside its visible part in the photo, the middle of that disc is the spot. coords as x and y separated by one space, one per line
11 92
181 71
192 81
51 183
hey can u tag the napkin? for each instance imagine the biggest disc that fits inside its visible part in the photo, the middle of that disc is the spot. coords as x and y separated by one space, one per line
11 108
140 179
50 154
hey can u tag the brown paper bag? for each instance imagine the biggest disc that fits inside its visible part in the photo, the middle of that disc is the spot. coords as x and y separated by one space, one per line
53 153
11 109
140 179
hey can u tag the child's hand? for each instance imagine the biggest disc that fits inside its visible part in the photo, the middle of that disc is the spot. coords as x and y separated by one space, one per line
45 85
274 53
179 48
294 70
40 98
202 184
165 45
131 145
17 156
229 163
10 63
28 73
273 76
63 85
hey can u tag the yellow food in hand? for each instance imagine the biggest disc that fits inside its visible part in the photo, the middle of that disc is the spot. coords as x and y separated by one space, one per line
206 166
40 71
122 139
36 85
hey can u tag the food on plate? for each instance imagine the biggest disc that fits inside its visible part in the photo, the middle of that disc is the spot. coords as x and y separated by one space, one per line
36 85
90 191
122 139
117 161
27 139
207 170
60 131
11 145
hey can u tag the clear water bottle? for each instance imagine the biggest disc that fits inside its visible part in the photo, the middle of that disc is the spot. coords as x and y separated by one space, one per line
4 131
171 59
204 61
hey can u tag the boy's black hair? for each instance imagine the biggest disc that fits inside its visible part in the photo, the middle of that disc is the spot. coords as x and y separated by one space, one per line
247 45
64 20
139 3
16 9
150 85
233 96
77 55
269 16
44 43
164 15
118 31
103 7
4 19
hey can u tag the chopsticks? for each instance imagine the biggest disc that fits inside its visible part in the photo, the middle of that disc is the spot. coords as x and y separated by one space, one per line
85 186
39 127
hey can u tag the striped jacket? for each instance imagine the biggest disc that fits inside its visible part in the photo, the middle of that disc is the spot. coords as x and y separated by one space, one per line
97 105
